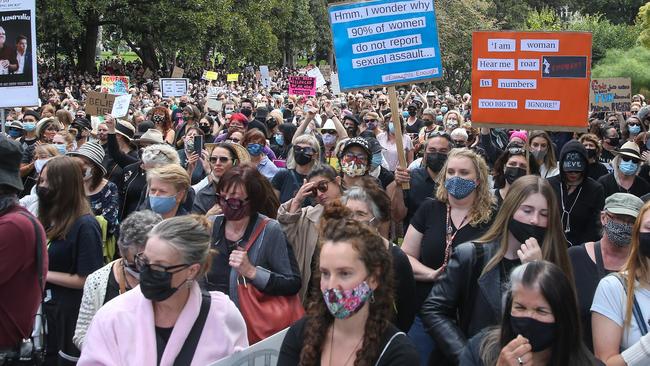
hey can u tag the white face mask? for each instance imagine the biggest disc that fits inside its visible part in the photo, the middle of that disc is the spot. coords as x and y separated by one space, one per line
39 164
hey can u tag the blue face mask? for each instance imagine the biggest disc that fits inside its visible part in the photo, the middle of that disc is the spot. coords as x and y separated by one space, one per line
628 167
254 149
439 118
162 204
279 138
634 129
376 161
391 127
62 148
405 114
444 109
459 188
29 126
14 133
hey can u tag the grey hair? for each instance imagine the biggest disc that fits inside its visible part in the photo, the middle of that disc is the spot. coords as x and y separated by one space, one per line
615 162
429 111
189 235
359 194
308 140
134 230
160 154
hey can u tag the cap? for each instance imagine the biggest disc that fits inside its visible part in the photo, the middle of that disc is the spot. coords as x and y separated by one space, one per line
93 152
357 141
12 154
82 122
629 149
574 162
643 113
623 204
32 113
373 144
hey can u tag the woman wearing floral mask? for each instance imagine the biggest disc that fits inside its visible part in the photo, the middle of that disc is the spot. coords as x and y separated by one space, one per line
163 122
460 212
355 160
347 321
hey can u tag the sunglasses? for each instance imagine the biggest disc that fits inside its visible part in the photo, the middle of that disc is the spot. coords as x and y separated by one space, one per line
141 262
307 150
516 151
353 156
369 120
221 159
232 203
321 187
439 134
628 158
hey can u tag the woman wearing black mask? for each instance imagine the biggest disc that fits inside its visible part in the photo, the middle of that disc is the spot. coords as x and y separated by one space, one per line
527 228
540 323
205 125
512 164
304 157
592 145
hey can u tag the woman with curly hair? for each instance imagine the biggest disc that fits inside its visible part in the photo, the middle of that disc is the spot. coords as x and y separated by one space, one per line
347 320
163 122
461 211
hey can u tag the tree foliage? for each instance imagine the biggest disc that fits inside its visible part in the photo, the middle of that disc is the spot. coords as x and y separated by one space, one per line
643 21
632 63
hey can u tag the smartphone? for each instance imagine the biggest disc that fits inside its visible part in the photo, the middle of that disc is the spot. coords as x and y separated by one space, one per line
198 144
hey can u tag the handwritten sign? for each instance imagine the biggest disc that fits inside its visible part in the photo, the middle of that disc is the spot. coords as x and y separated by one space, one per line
610 95
121 105
209 75
177 72
173 87
315 73
115 84
302 85
99 104
263 353
232 78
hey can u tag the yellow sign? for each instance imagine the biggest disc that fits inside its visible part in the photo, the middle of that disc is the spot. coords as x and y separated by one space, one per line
209 75
233 77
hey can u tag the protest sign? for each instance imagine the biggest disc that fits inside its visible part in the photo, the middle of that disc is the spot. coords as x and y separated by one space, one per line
99 104
531 80
326 70
315 73
263 353
18 82
173 87
232 78
209 75
214 104
334 83
385 42
115 84
121 105
177 72
302 85
610 95
266 78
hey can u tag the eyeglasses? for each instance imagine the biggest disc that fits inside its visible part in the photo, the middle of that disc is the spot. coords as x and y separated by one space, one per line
221 159
308 150
352 156
369 120
516 151
141 262
321 186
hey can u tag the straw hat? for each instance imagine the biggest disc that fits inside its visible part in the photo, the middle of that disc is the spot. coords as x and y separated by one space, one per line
242 154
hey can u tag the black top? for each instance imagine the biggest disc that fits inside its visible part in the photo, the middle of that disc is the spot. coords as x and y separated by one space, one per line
422 186
638 188
288 182
586 276
471 355
112 287
399 352
415 128
405 300
597 170
431 220
385 177
162 337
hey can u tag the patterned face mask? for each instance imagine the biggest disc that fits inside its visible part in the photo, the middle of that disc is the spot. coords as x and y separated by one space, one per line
353 168
619 234
459 188
344 304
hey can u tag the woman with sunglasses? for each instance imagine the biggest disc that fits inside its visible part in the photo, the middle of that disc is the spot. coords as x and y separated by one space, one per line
152 323
300 223
515 162
118 276
265 260
631 128
626 164
304 156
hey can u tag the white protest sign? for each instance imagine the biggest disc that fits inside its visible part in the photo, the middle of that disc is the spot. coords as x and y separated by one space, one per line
315 73
214 104
173 87
266 77
334 83
263 353
121 105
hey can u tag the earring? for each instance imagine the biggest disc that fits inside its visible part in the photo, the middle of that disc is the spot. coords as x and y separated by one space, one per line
372 297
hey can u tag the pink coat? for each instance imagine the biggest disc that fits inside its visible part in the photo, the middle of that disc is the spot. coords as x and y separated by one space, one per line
122 332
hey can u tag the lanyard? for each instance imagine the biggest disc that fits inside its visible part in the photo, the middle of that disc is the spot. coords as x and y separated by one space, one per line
450 235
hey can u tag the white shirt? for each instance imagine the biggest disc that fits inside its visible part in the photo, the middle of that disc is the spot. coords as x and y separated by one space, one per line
21 63
390 152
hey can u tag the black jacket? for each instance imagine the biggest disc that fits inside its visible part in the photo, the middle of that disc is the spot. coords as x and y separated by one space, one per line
134 182
462 302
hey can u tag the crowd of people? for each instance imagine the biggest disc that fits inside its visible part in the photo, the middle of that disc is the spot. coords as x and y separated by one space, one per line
183 233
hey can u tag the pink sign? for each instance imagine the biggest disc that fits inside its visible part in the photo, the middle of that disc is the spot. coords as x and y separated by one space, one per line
302 85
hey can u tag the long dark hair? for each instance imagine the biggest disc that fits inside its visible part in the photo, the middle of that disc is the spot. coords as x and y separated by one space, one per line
500 164
557 289
338 227
260 192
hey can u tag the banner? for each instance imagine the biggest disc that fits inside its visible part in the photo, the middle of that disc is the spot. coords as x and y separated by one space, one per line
232 78
18 83
315 73
302 85
262 353
610 95
173 87
209 75
115 84
385 42
531 80
266 77
177 72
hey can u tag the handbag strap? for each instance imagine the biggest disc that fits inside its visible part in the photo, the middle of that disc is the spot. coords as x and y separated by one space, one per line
636 310
256 233
186 354
388 344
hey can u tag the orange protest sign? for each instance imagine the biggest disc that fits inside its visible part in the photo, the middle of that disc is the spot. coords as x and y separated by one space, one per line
531 80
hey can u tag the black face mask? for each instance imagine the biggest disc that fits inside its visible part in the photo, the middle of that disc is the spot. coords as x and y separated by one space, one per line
614 141
513 172
644 244
156 285
205 128
302 158
246 112
352 131
435 161
428 122
44 194
412 112
523 232
591 153
182 104
540 335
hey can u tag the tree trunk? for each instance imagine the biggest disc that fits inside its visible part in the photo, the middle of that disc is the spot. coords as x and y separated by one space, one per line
86 61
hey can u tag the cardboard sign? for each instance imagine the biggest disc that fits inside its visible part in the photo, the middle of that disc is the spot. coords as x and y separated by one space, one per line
262 353
232 78
18 82
531 80
115 84
99 104
173 87
385 42
266 77
610 95
177 72
209 75
302 85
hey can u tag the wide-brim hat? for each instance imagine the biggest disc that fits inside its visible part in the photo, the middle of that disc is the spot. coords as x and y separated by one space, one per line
12 154
125 129
242 153
629 149
152 136
93 152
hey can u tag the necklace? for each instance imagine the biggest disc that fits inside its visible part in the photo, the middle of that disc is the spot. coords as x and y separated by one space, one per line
564 210
332 347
